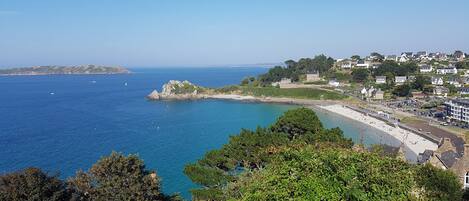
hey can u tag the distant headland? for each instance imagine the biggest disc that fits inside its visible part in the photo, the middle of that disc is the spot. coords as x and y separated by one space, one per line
64 70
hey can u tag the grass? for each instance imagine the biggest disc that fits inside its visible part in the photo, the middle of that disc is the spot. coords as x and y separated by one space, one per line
301 93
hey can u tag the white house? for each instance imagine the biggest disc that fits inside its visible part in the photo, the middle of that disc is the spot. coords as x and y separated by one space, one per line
406 56
346 64
449 70
463 90
440 91
391 58
400 80
425 68
380 79
454 81
312 77
437 80
363 64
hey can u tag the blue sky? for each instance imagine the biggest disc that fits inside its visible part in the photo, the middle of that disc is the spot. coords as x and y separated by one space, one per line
199 33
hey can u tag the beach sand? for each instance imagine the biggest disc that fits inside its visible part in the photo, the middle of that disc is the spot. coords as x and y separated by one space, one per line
417 144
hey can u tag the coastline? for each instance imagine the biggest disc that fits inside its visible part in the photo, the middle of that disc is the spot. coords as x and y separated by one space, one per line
414 142
411 141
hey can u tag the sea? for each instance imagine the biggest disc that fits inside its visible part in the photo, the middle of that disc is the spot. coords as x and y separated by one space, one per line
64 123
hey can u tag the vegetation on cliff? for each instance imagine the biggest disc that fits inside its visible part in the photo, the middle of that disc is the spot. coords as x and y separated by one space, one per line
300 93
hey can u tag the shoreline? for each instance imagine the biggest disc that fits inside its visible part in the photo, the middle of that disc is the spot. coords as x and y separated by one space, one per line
414 142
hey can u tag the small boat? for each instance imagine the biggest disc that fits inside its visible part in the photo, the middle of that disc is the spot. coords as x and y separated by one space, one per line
125 84
94 81
51 93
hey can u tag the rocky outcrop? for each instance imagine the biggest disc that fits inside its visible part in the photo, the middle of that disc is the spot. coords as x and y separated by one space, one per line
178 90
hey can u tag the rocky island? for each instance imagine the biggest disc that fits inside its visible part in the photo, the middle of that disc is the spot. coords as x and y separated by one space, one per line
64 70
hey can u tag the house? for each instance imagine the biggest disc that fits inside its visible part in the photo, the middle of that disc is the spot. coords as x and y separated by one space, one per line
334 83
391 58
346 64
312 77
463 90
406 56
363 64
399 80
447 157
380 79
421 54
440 91
379 95
465 80
437 80
458 110
425 68
447 70
285 81
459 55
454 81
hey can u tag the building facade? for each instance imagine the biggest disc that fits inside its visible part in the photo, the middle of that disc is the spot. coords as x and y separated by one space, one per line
458 110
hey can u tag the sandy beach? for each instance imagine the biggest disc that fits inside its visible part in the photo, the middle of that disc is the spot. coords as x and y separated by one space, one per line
412 141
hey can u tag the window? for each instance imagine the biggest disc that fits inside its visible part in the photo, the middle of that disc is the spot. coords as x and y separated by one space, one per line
466 180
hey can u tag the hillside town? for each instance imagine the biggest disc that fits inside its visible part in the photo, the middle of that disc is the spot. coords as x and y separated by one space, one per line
431 85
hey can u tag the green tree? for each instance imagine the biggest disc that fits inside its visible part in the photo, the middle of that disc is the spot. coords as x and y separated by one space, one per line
298 122
355 57
360 75
309 173
420 82
117 177
402 90
32 184
439 184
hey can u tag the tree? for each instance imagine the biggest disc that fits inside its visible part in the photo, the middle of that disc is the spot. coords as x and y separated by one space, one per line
439 184
32 184
355 57
253 150
420 82
402 90
360 75
117 177
378 57
298 122
311 173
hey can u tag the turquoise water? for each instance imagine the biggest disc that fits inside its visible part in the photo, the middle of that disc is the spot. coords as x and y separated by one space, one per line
65 123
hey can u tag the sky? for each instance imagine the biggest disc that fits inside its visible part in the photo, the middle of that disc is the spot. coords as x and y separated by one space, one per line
158 33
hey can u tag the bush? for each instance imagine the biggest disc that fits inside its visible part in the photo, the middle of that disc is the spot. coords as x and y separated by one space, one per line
32 184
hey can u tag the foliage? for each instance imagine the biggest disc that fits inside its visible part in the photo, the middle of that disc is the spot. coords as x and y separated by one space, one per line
393 68
298 123
117 177
360 75
253 150
32 184
310 173
439 184
303 93
420 82
462 65
402 90
293 70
